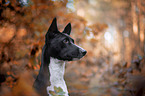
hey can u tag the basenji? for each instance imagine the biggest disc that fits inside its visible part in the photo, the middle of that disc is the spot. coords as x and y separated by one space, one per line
59 48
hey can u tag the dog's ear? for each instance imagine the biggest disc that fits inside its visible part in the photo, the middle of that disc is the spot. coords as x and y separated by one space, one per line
52 30
53 26
67 29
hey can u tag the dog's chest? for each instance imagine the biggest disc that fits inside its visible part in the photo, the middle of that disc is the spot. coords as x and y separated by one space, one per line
57 68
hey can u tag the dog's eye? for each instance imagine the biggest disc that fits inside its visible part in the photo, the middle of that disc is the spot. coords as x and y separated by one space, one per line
65 41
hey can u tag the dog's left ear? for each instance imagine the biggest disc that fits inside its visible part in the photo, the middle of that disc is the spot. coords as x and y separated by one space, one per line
67 29
53 26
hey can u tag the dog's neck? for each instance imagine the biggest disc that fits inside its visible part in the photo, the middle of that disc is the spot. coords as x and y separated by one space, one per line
56 70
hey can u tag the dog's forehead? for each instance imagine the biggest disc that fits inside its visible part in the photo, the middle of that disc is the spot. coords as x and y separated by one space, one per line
67 36
63 36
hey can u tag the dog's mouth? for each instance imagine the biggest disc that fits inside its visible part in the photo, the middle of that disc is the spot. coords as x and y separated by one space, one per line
72 59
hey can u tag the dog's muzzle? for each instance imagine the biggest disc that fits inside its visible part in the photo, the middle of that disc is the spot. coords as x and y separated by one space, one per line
82 51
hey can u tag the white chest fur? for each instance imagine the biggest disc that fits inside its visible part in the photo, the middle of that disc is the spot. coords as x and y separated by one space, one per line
57 68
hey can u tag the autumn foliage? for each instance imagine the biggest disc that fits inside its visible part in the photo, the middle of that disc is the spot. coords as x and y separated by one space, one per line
23 26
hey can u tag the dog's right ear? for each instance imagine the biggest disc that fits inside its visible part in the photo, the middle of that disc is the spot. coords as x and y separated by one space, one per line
53 26
67 29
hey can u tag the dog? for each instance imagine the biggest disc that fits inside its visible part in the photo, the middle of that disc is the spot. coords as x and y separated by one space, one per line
59 47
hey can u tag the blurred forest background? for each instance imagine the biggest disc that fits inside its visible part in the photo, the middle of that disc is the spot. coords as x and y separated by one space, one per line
112 32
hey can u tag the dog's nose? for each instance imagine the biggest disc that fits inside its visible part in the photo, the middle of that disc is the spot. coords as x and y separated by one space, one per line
84 52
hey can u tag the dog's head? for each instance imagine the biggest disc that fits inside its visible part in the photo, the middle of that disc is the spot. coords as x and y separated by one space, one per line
61 45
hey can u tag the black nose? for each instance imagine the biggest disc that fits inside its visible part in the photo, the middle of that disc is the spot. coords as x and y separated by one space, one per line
84 52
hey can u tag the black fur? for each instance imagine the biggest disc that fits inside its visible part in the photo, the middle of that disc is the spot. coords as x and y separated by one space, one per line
57 45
